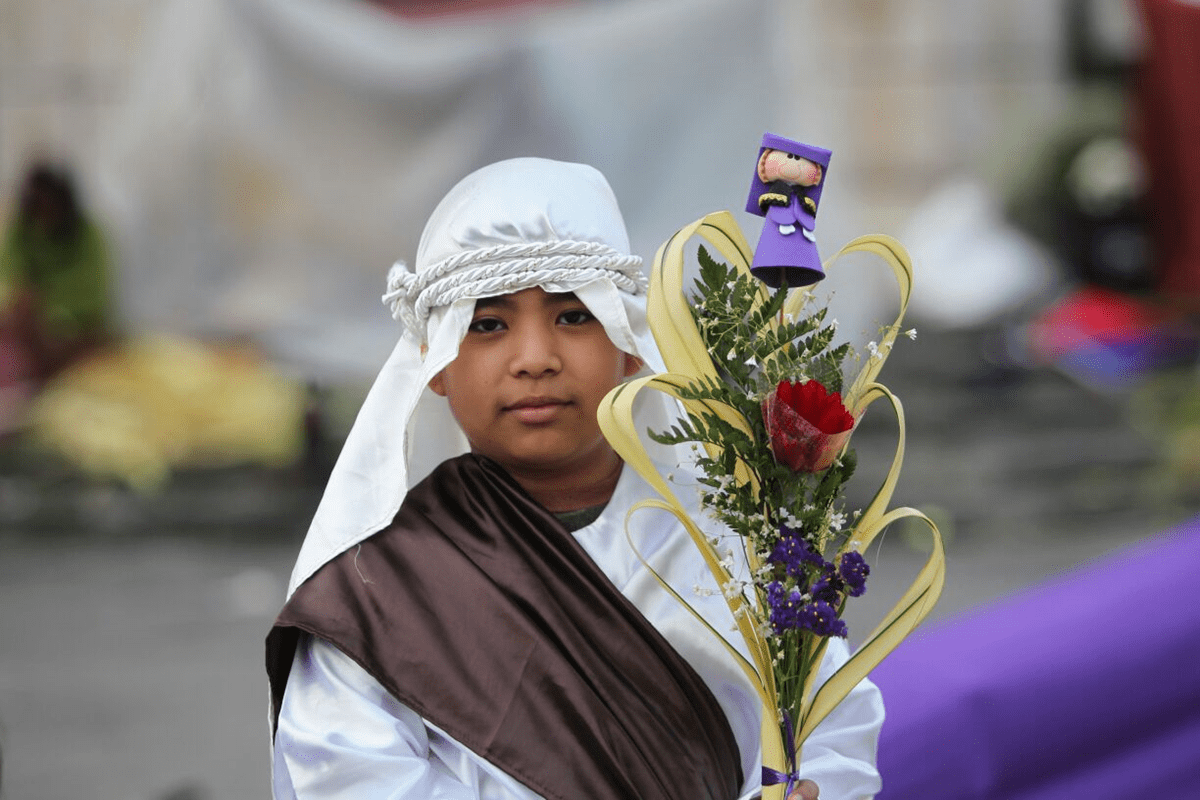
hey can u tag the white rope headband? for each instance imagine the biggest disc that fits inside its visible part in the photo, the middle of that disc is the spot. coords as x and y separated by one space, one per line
503 269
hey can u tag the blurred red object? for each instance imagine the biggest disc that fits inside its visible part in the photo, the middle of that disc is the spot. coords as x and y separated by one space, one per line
1110 340
1167 96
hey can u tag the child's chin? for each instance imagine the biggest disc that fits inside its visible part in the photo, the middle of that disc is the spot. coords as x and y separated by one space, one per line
551 454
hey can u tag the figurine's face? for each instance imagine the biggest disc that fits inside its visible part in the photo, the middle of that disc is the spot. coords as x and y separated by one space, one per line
777 165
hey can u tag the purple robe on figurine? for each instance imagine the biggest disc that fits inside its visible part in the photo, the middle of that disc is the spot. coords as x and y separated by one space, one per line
787 247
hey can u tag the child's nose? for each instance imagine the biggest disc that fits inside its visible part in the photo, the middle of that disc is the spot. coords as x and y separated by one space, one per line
536 353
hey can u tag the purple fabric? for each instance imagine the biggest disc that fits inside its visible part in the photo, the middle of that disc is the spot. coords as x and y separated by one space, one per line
1087 686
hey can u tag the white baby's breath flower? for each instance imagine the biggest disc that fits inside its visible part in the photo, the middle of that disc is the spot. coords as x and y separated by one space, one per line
727 561
877 350
732 589
836 521
911 333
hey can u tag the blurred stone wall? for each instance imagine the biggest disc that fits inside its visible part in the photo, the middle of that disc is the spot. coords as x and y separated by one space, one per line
64 71
930 88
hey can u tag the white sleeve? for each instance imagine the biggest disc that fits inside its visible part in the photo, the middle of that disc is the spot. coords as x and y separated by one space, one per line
839 755
342 735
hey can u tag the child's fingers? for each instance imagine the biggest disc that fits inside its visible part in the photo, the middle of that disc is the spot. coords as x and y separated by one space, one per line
804 790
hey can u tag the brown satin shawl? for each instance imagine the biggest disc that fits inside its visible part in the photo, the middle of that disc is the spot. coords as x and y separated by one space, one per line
478 610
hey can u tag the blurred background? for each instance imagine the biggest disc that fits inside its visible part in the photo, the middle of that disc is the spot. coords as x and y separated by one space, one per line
201 199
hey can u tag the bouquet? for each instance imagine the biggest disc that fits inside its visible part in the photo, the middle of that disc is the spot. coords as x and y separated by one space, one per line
768 413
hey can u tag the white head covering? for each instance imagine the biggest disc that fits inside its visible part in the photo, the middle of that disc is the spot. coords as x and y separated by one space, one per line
510 226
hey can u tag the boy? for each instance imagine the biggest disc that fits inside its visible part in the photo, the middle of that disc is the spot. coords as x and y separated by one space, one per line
466 617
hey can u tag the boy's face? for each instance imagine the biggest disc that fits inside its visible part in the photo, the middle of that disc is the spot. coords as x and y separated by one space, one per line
528 379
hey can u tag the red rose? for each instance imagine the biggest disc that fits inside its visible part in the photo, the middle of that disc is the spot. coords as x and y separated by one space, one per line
807 426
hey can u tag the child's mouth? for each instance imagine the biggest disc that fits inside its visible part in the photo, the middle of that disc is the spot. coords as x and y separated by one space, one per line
536 410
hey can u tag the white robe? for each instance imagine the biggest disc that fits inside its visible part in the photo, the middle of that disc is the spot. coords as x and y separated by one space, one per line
342 735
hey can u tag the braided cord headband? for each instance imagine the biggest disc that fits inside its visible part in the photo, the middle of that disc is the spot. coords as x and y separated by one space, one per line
503 269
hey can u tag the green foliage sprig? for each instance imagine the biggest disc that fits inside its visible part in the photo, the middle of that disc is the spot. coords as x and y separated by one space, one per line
754 345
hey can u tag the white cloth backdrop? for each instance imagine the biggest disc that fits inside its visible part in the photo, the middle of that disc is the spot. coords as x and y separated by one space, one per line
278 155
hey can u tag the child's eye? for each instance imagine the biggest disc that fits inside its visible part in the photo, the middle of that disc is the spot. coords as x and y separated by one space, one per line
576 316
485 325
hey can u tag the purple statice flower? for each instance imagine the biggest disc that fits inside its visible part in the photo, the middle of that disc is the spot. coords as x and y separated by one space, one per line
828 589
792 551
785 605
791 609
820 618
854 570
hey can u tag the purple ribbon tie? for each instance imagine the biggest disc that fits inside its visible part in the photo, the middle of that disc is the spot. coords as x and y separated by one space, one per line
773 777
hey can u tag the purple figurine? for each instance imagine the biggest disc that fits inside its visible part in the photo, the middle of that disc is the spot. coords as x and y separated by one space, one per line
786 190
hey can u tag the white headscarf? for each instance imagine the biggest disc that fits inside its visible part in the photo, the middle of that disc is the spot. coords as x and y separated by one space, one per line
510 226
